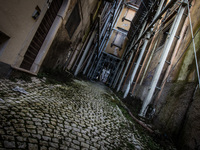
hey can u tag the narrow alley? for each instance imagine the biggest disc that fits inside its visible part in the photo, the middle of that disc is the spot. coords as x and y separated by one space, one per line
100 74
36 115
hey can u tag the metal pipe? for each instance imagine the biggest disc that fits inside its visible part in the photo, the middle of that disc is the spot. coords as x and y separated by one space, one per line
113 23
125 33
170 4
137 64
118 75
166 50
131 6
104 9
148 63
193 42
96 67
88 63
91 67
115 74
103 42
170 67
124 73
141 31
103 30
157 13
143 27
85 52
159 8
116 12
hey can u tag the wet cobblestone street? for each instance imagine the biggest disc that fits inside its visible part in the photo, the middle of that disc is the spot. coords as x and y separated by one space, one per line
54 116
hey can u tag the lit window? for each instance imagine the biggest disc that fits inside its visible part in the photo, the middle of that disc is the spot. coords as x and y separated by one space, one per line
129 15
118 39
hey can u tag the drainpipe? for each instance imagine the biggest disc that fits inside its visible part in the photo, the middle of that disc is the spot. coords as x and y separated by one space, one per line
159 9
147 55
169 5
115 74
193 42
85 53
163 58
102 43
50 37
148 63
104 9
137 64
105 26
89 74
169 69
137 51
117 12
96 67
118 75
88 63
124 73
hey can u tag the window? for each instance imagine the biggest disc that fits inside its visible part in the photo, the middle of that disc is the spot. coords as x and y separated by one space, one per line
119 39
3 41
136 2
129 15
73 21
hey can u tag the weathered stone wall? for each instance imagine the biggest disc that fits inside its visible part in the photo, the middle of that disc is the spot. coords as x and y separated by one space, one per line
190 133
177 111
64 45
173 107
178 114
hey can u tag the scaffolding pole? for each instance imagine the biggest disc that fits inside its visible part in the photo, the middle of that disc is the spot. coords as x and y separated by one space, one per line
125 70
85 53
137 65
163 58
194 47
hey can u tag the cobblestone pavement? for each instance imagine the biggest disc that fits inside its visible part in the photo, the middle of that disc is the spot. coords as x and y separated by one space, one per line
35 115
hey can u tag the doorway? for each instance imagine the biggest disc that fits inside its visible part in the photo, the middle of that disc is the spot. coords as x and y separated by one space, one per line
40 34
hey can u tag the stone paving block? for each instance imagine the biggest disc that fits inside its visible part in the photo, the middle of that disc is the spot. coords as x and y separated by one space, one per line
85 145
63 147
32 146
32 140
80 139
93 148
86 137
21 139
76 142
52 144
43 148
21 145
55 140
47 119
46 138
43 143
52 148
9 144
8 137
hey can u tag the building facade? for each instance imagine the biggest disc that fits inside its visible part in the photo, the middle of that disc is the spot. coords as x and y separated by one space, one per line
30 29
